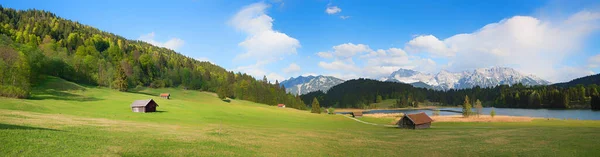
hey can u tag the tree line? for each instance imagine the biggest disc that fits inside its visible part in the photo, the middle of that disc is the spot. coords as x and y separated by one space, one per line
360 93
35 43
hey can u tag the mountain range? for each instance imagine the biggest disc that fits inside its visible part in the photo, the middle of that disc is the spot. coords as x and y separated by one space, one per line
306 84
482 77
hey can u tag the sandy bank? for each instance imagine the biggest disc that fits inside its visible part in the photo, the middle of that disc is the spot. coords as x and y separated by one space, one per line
482 118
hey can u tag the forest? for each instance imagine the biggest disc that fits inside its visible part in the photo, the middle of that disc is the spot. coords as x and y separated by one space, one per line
36 43
360 93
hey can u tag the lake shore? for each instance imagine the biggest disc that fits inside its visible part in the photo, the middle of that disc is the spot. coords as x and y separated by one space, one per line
460 118
406 108
482 118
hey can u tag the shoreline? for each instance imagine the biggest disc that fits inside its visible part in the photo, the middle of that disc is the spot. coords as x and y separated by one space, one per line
406 108
460 118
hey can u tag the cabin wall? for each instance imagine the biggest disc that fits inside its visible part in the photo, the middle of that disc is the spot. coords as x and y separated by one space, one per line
423 126
406 123
138 109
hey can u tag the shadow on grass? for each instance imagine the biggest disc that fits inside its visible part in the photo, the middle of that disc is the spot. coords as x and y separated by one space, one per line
18 127
159 111
60 95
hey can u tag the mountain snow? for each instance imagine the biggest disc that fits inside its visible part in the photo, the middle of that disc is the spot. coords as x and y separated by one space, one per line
302 85
482 77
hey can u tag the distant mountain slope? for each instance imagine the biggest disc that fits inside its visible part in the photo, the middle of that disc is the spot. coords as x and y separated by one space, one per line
587 80
483 77
302 85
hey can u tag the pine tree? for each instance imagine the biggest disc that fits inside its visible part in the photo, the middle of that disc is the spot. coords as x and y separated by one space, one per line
466 107
120 82
595 102
493 113
316 108
478 107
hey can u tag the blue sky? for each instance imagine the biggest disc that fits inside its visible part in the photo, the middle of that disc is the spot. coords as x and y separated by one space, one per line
554 40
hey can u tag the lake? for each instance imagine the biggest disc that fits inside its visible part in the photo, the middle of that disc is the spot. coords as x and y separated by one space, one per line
582 114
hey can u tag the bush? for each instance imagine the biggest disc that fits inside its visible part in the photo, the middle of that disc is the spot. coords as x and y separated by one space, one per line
331 110
493 113
436 112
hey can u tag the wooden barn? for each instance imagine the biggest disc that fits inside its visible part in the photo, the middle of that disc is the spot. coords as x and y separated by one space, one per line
144 106
281 105
356 114
415 121
165 95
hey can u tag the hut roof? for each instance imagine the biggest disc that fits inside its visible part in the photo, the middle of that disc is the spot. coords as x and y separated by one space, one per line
419 118
165 94
280 105
139 103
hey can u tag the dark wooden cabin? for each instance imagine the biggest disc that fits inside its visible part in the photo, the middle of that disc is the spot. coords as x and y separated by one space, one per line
357 114
415 121
144 106
165 95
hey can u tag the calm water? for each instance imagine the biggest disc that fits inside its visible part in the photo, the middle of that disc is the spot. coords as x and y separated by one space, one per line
545 113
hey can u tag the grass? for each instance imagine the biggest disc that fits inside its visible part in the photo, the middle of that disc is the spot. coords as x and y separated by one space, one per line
66 119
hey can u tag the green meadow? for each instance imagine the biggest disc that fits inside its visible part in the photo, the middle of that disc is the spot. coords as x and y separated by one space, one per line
67 119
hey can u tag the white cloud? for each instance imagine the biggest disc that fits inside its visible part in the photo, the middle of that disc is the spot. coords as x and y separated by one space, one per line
344 17
257 71
173 43
325 55
338 65
332 10
348 50
594 61
262 41
292 68
430 44
526 43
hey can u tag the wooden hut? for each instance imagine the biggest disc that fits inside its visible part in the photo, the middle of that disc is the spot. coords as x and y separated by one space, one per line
356 114
415 121
281 105
165 95
144 106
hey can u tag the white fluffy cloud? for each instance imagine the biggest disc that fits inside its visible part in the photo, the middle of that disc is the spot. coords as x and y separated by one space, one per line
292 68
325 55
173 43
338 65
257 70
431 44
372 63
529 44
262 41
348 50
594 61
333 10
344 17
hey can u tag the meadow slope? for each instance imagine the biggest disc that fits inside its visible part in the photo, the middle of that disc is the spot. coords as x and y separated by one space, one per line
67 119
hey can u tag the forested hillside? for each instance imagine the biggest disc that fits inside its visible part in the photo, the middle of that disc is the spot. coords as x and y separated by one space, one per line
36 43
588 80
361 93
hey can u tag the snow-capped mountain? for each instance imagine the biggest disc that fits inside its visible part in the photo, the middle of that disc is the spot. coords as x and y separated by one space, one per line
482 77
302 85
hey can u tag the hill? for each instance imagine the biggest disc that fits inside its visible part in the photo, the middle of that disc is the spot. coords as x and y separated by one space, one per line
588 80
35 43
68 119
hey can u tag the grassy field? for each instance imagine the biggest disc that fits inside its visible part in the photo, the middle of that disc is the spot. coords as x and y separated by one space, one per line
66 119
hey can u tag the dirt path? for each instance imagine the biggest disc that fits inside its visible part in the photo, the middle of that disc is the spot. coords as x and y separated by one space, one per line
369 122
